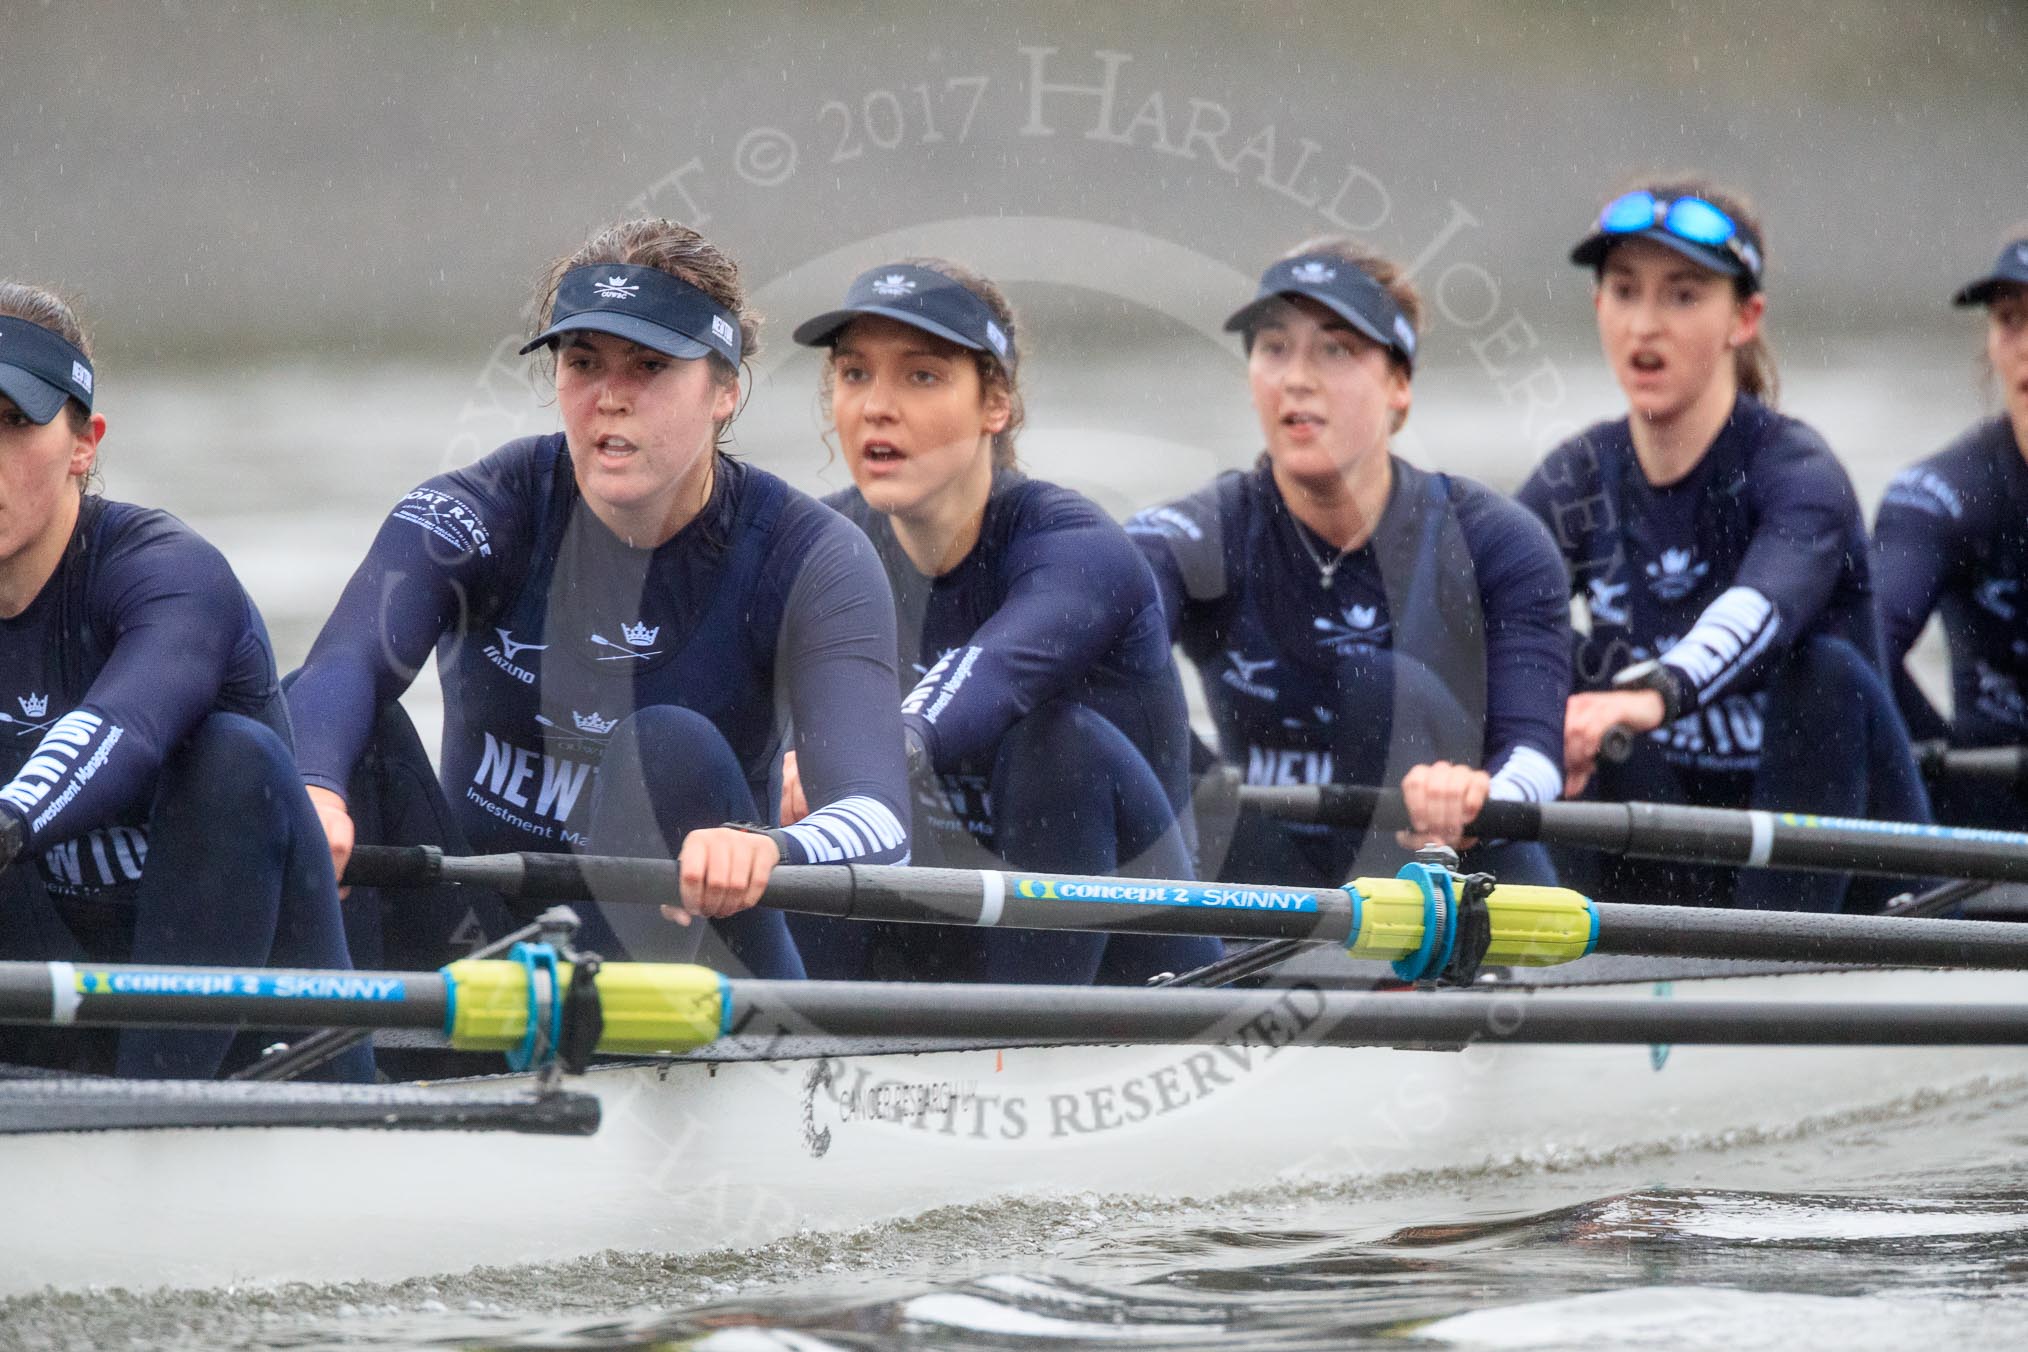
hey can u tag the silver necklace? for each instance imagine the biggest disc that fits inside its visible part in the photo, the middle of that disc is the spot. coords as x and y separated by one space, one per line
1325 571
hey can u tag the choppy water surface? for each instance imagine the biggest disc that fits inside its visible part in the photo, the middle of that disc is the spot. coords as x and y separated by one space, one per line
1888 1232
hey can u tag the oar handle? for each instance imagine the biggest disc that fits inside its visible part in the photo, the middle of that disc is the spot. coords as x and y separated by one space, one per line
1979 764
1358 807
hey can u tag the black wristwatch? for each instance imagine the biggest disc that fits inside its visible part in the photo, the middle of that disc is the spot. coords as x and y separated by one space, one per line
1658 676
13 837
917 751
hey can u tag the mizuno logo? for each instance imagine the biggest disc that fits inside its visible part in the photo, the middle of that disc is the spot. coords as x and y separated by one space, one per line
1248 670
592 723
509 649
1245 673
1313 272
639 634
617 287
895 284
35 706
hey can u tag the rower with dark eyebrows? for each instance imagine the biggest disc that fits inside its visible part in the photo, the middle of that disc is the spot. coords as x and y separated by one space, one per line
630 624
1044 719
1952 537
1722 558
149 806
1355 618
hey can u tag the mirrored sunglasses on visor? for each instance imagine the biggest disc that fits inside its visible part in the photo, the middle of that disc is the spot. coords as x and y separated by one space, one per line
1691 219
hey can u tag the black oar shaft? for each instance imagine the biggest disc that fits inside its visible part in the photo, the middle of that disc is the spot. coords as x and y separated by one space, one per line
1798 936
42 993
1696 834
1016 901
1305 1014
907 895
1999 765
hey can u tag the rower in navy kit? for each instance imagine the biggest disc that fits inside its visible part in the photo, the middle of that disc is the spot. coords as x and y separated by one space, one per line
1356 619
149 806
627 621
1720 552
1952 536
1043 717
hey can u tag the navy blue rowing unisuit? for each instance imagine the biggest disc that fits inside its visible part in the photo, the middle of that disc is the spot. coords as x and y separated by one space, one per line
142 632
1450 620
1721 574
1051 603
1749 579
1952 535
1036 676
146 746
549 631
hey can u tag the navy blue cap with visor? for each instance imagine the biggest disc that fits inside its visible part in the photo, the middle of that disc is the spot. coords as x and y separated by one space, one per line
1343 288
2011 270
921 298
40 369
642 305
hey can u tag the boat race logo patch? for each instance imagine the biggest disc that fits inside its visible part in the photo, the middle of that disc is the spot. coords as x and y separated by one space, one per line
617 287
895 284
447 518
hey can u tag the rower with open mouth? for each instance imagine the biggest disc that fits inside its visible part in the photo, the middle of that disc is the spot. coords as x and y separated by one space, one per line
1045 721
627 621
1951 537
149 806
1356 619
1721 552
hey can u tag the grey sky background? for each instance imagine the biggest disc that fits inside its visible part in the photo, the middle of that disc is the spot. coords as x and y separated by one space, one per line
375 179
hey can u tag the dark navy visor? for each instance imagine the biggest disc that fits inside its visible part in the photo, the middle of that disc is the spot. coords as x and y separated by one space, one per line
921 298
642 305
1342 288
2011 270
39 370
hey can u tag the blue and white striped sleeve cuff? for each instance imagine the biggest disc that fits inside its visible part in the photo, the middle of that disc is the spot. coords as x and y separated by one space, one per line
1527 776
1733 631
855 830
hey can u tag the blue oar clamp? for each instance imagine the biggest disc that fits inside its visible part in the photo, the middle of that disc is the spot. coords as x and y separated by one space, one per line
545 1035
1432 873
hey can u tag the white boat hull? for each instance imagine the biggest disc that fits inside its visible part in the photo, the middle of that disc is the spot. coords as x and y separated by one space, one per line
697 1156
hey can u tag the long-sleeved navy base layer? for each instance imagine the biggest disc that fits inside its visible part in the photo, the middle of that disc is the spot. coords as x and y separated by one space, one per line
146 749
766 615
1055 726
1748 578
1952 538
1444 636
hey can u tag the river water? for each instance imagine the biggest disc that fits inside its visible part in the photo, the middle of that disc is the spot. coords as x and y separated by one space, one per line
1908 1227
